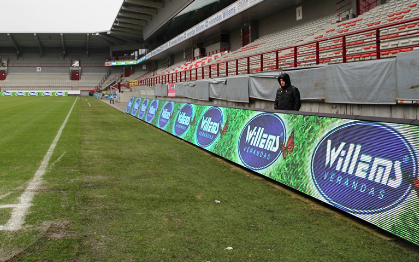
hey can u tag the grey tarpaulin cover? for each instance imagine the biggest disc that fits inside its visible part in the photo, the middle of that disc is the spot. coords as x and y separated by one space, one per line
407 68
238 89
202 90
218 88
189 89
367 82
181 90
263 86
161 90
310 82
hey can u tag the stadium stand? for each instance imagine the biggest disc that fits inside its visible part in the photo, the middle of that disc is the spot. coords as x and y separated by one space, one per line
51 71
393 21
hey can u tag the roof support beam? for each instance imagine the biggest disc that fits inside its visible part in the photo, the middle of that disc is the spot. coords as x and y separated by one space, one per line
131 26
142 10
135 16
106 42
87 44
62 43
131 21
15 44
116 33
146 3
39 44
128 39
111 39
127 30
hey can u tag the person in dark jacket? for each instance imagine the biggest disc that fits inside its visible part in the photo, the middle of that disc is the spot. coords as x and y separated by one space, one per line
287 95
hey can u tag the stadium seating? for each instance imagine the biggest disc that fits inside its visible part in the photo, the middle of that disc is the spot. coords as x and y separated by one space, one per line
259 56
53 72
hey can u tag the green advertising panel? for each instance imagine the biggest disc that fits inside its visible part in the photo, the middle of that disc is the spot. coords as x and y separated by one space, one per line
367 169
34 93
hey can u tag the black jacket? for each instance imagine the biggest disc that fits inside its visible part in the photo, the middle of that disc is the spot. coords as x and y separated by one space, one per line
287 97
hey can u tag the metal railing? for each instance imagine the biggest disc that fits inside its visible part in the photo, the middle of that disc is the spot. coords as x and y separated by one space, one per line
310 53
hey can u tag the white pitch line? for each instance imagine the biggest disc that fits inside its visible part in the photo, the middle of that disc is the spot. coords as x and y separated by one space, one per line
89 104
19 212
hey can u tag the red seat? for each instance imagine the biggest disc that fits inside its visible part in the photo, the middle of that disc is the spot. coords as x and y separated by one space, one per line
413 5
407 49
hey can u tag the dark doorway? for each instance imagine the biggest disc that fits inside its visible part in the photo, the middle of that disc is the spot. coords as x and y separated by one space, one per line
245 36
366 5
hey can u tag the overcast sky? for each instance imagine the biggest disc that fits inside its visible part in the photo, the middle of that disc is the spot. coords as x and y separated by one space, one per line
57 16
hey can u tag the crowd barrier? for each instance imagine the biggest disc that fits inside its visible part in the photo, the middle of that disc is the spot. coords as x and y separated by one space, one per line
368 169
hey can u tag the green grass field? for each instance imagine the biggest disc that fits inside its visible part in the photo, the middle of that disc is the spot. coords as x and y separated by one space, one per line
117 189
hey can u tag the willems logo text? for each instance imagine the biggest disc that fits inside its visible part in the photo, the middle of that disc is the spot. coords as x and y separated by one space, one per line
165 114
136 106
363 167
209 127
152 111
183 120
129 104
260 141
143 108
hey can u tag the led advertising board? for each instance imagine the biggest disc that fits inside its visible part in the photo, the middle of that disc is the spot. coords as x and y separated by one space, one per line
33 93
367 169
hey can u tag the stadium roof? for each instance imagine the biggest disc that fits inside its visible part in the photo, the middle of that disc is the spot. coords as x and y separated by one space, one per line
127 27
35 30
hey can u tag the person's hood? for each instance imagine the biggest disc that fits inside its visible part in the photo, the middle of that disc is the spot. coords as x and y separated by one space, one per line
286 79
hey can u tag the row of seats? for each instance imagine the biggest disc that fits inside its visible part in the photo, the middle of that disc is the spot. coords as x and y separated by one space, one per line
361 46
52 60
49 79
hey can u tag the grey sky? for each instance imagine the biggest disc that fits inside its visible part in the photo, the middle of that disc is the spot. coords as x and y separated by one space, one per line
58 16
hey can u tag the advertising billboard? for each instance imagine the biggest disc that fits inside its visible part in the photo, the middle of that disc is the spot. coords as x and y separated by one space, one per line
367 169
33 93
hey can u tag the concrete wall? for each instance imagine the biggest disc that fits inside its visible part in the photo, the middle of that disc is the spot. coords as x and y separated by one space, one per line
235 39
179 57
312 10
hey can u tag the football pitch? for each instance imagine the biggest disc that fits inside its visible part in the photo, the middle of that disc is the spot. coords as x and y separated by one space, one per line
82 181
